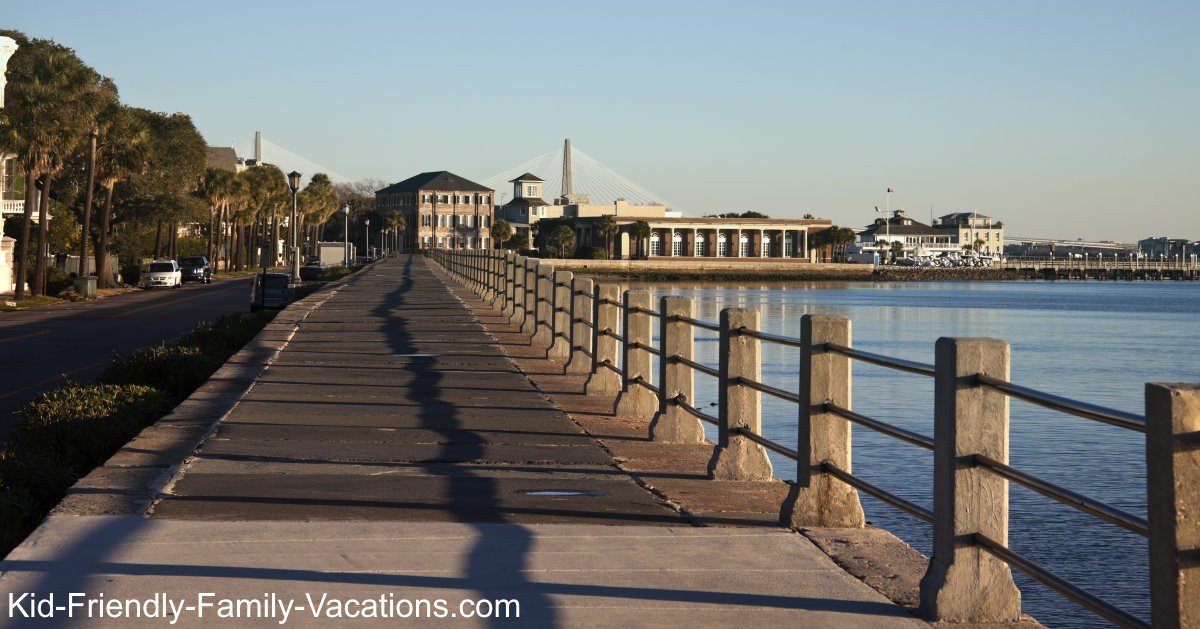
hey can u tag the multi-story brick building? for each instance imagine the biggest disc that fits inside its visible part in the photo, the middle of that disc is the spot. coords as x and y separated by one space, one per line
441 209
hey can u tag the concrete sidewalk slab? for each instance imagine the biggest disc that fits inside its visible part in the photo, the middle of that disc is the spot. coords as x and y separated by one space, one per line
572 575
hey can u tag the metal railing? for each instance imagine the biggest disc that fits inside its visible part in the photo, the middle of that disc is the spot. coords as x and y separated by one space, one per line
971 424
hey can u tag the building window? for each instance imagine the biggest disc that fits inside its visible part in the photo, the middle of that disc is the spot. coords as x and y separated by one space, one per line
722 246
484 199
677 245
699 246
426 221
655 244
787 245
529 191
766 246
744 246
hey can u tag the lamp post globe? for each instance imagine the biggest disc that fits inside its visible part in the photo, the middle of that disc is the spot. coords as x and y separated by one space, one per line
294 183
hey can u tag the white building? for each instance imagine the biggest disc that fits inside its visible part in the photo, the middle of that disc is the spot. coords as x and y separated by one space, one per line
952 233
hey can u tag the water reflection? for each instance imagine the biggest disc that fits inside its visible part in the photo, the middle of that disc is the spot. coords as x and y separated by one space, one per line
1089 340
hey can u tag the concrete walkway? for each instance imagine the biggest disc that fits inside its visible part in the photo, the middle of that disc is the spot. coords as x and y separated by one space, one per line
393 449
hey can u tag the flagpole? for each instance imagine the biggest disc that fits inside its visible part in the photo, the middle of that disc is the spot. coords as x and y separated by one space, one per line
887 216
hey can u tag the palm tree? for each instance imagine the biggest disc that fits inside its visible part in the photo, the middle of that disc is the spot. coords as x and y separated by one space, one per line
51 101
641 231
396 224
122 152
606 229
561 240
268 196
218 183
502 231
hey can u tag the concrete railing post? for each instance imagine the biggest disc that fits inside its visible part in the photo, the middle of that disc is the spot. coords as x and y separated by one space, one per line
516 301
531 293
736 457
965 583
1173 482
606 377
581 327
818 499
672 424
543 333
560 333
636 400
510 280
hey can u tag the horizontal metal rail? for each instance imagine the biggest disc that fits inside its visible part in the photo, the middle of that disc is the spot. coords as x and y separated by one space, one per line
698 323
882 494
1105 512
584 322
609 364
611 302
766 388
705 369
1057 583
695 412
1101 414
767 336
645 348
609 333
899 364
645 311
878 426
766 443
646 383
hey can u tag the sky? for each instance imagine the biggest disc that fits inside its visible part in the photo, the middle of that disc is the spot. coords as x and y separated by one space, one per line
1063 119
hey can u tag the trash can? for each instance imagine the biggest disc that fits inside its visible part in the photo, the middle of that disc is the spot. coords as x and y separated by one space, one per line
86 286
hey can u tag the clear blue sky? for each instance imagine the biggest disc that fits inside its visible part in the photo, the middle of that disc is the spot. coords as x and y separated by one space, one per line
1065 119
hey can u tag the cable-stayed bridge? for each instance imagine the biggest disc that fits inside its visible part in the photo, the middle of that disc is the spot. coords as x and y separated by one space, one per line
268 152
585 175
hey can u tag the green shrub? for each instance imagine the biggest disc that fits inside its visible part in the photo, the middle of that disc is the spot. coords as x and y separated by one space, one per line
57 280
176 370
63 435
131 274
225 336
81 426
333 273
590 253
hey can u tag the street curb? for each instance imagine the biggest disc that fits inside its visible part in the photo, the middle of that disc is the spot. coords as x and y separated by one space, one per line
134 478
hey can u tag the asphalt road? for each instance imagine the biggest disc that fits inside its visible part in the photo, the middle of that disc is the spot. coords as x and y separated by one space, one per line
39 347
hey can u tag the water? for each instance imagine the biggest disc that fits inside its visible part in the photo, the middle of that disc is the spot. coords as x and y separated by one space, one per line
1098 342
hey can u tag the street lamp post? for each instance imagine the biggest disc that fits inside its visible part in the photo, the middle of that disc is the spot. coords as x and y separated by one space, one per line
346 234
367 239
294 184
87 207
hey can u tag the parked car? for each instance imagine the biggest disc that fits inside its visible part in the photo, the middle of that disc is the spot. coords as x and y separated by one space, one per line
272 291
163 274
311 272
196 269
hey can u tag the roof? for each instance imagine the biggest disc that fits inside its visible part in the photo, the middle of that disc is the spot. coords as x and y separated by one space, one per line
913 229
223 157
527 177
526 201
436 180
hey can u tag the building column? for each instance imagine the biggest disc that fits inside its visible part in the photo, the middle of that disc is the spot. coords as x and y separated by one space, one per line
737 244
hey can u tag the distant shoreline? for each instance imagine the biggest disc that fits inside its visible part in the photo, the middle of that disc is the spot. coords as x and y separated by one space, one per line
815 273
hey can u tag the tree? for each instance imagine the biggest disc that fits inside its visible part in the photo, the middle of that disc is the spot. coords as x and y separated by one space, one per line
897 249
561 240
267 195
122 152
502 231
641 232
746 214
52 100
318 203
606 228
809 216
398 224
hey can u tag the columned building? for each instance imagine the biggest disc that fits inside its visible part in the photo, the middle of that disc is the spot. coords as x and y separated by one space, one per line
708 237
441 209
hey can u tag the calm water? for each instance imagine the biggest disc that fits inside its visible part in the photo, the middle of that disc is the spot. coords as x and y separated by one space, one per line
1098 342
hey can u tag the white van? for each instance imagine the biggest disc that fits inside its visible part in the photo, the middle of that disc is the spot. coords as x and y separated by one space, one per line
164 274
